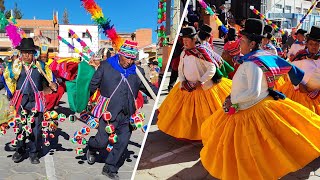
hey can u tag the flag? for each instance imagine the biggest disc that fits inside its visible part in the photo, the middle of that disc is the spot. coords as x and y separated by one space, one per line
55 18
89 35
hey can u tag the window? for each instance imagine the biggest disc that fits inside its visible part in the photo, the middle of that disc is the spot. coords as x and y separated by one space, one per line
305 11
3 34
298 10
50 34
318 23
279 6
288 9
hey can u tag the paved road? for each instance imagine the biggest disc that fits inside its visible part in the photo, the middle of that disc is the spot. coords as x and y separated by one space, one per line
165 157
61 161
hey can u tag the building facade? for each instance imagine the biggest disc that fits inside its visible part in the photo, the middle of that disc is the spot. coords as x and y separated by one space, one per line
290 12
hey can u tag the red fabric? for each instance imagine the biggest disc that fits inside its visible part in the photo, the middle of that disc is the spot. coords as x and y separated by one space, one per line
232 47
175 63
66 70
236 66
53 99
140 100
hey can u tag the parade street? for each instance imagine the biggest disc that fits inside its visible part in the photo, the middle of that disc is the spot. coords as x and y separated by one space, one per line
165 157
60 161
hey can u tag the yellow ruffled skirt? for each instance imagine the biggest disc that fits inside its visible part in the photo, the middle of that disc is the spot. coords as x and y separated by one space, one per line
302 98
264 142
182 113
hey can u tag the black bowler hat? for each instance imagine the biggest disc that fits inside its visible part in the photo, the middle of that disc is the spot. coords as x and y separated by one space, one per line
301 31
253 28
314 33
267 31
188 32
27 44
205 29
232 32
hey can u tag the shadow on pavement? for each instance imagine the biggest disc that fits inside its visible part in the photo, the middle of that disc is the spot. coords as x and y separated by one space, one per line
54 143
162 149
189 173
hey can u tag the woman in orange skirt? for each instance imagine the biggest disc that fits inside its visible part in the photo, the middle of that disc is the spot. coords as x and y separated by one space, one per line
200 93
259 134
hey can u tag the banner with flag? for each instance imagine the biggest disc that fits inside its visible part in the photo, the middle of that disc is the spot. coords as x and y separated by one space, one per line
55 18
89 35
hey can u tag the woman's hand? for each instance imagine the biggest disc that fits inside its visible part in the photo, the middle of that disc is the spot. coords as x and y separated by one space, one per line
53 86
227 104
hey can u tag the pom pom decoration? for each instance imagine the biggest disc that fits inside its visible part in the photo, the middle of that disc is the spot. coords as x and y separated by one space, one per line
20 137
45 123
53 126
3 132
107 116
24 112
84 116
109 148
16 130
23 121
79 151
54 114
12 123
82 141
14 142
113 138
85 131
62 117
73 140
47 143
30 120
144 128
72 118
45 134
93 123
51 135
17 119
27 129
77 135
46 116
110 129
34 111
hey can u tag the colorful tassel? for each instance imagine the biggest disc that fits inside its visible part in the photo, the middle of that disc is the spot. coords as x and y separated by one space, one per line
113 138
109 148
110 129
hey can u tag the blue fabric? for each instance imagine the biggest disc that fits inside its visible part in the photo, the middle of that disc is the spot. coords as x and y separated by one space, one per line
9 94
114 62
297 42
272 61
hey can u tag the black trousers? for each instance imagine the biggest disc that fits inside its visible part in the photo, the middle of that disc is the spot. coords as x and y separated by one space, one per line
173 79
100 142
35 138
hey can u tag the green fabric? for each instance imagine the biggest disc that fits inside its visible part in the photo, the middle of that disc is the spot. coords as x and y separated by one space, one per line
225 69
160 62
78 89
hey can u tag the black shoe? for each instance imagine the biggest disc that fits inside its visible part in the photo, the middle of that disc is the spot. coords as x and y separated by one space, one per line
17 157
91 158
34 159
106 171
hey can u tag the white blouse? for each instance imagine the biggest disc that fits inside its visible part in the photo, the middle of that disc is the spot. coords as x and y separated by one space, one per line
311 70
295 48
249 86
194 69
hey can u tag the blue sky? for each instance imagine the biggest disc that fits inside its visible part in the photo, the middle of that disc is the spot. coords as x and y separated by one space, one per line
126 17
